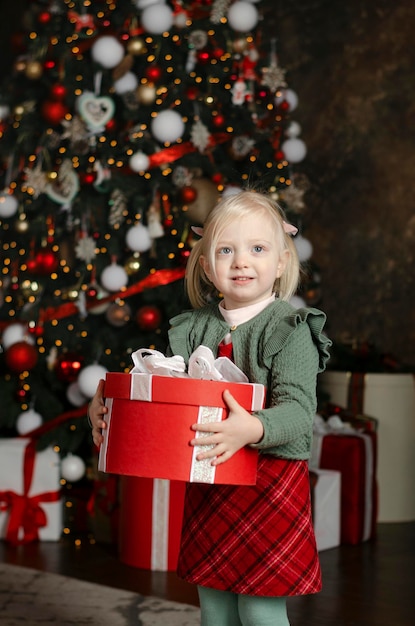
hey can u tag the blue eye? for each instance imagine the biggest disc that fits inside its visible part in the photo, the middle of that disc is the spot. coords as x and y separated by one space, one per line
258 248
225 250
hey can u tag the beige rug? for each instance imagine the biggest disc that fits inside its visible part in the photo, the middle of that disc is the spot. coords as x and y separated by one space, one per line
32 598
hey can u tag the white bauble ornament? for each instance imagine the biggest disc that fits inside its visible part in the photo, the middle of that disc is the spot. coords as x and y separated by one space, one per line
89 378
74 395
138 238
72 468
168 126
139 162
304 248
242 16
126 83
14 333
142 4
114 277
293 130
231 190
8 205
298 302
28 421
294 149
157 18
107 51
4 111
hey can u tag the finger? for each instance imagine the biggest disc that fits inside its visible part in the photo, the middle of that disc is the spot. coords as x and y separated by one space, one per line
100 387
230 401
215 427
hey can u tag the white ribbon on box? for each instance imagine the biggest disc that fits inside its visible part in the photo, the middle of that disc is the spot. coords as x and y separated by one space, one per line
335 426
202 366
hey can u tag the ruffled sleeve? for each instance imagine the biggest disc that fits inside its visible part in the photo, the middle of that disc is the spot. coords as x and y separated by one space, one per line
315 319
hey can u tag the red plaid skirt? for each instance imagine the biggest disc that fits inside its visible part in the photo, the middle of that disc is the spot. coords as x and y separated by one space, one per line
252 540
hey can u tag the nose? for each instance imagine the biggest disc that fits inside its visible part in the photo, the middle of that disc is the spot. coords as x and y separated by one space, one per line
239 259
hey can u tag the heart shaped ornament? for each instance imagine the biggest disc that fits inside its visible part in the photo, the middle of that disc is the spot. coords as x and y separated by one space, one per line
65 187
96 111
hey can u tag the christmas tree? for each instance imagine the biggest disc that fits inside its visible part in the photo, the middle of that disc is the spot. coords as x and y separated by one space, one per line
121 124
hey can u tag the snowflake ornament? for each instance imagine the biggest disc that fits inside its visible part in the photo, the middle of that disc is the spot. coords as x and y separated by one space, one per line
36 180
182 176
85 249
293 198
200 136
241 146
219 10
273 77
76 131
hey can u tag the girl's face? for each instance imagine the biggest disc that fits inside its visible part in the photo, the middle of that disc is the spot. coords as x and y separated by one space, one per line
248 261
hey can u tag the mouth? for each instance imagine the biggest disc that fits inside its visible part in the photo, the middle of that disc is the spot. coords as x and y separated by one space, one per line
241 279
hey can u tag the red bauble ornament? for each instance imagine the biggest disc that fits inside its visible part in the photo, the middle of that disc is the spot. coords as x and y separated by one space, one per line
148 317
184 257
44 17
53 111
37 330
192 93
203 57
218 120
49 64
284 106
58 91
111 126
68 366
87 178
92 292
217 178
217 53
153 73
21 356
46 261
279 156
188 194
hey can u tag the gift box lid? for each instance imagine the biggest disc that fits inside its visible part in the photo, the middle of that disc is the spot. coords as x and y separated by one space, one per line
182 390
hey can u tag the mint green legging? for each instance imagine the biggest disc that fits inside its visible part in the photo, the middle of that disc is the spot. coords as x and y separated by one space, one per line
223 608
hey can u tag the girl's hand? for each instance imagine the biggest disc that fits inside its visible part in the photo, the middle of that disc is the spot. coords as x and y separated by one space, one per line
230 435
96 412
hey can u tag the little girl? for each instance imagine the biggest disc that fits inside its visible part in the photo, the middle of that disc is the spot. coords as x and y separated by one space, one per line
248 548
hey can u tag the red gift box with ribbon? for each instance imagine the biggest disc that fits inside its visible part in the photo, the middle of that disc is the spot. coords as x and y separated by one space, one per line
149 427
151 514
30 498
338 446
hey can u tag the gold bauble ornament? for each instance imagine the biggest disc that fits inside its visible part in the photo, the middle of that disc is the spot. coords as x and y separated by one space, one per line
146 94
240 45
207 197
21 225
136 46
20 65
118 314
34 70
132 264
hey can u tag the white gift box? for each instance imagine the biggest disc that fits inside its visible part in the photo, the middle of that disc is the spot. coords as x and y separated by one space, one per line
30 500
326 508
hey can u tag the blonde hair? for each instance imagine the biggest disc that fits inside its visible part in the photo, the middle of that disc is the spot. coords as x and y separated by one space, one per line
199 288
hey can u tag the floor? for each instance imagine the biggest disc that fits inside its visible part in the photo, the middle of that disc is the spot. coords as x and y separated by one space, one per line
372 584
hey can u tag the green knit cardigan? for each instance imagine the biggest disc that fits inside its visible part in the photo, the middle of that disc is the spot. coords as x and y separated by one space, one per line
282 348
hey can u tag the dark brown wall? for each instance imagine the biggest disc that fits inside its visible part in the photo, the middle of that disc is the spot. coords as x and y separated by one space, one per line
352 65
